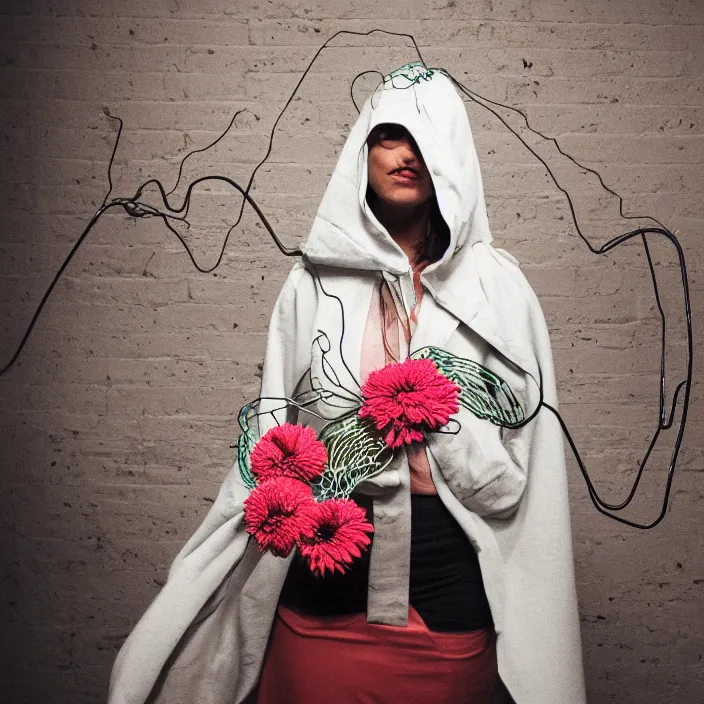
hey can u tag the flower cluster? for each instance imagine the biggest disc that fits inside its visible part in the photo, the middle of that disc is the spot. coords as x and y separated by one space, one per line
403 401
407 399
282 513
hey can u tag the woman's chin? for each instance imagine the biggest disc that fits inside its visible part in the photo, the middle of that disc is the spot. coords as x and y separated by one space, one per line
405 200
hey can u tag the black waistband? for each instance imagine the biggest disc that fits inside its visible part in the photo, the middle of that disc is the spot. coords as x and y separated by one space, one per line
446 585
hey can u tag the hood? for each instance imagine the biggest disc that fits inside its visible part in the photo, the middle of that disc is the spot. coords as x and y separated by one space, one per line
480 285
346 233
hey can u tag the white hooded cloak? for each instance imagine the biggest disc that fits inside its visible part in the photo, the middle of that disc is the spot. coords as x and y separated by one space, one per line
203 638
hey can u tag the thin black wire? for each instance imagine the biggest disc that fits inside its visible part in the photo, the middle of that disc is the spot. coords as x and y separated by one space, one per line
342 333
601 505
355 79
135 208
114 151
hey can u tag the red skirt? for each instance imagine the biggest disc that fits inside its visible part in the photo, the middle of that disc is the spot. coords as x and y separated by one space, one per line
345 660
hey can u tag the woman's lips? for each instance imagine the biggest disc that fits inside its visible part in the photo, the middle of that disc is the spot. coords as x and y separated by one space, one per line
405 175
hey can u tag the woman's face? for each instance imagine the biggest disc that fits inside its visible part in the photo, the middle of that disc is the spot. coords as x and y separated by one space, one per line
396 170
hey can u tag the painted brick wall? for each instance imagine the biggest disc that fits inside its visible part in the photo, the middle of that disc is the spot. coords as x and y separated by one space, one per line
119 416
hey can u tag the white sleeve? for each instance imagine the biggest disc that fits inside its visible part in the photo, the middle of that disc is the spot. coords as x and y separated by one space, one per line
219 543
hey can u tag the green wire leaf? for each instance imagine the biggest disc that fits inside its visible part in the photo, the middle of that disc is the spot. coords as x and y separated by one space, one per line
356 452
482 392
245 445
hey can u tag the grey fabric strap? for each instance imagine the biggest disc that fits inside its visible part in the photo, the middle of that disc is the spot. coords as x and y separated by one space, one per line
390 559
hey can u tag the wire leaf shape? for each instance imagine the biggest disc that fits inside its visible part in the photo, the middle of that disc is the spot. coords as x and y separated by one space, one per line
245 444
356 452
482 392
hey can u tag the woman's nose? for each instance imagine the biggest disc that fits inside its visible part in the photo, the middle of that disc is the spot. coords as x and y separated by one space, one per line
408 156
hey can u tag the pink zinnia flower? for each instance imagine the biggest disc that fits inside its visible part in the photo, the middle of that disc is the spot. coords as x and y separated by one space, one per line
278 512
404 400
288 451
340 532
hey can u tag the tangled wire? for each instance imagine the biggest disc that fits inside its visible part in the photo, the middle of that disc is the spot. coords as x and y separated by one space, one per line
171 213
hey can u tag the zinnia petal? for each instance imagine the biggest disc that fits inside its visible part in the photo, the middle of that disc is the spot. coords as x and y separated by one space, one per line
288 451
404 400
340 533
278 513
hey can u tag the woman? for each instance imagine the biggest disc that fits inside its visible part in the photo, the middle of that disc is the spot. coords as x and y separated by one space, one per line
446 653
398 259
